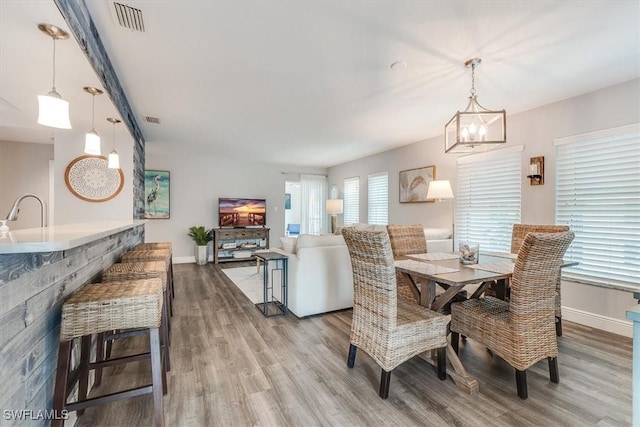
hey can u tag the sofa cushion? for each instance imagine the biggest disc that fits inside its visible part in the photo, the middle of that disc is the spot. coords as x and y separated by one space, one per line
437 233
289 244
313 241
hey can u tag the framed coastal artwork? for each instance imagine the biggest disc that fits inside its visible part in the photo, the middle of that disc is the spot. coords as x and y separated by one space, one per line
414 184
156 194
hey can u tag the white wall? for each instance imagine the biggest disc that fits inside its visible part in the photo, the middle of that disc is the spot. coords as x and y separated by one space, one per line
197 181
24 168
69 209
535 129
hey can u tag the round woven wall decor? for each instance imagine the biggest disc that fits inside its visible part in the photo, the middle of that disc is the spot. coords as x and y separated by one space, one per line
90 179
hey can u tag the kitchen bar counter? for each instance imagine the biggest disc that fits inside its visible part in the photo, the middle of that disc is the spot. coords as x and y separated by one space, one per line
39 269
60 237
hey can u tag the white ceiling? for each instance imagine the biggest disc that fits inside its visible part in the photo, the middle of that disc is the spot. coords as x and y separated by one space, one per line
310 83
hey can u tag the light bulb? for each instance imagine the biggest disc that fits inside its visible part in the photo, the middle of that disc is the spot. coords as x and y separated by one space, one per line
465 133
482 132
472 129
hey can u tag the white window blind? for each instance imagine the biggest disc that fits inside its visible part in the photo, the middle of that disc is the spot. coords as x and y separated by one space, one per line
351 201
598 197
488 198
378 212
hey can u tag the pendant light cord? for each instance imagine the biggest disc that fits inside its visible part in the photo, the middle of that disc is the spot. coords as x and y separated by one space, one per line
93 113
54 64
473 79
113 137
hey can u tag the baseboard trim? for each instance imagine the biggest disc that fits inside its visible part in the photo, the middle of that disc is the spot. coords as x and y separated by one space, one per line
187 259
184 259
605 323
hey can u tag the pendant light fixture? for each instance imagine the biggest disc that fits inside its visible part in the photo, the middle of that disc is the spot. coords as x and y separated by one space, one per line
475 128
91 139
114 158
53 111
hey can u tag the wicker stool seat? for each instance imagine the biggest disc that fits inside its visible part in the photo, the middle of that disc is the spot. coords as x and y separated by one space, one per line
139 270
99 308
126 272
152 246
144 255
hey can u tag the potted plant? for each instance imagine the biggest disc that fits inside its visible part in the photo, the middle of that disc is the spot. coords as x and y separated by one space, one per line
201 237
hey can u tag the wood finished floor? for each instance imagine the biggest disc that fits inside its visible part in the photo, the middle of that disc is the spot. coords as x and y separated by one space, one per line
233 367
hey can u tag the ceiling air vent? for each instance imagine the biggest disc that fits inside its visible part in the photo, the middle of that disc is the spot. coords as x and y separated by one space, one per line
149 119
129 17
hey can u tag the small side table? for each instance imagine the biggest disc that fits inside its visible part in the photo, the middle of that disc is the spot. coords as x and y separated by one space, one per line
271 305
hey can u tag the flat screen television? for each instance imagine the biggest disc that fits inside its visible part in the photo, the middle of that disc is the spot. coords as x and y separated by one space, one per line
242 212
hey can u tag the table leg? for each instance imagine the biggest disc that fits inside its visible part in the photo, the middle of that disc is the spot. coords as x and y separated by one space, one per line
427 293
456 371
413 286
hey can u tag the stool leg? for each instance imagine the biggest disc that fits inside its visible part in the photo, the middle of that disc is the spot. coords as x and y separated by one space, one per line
165 335
60 391
156 374
85 357
165 307
99 357
173 291
169 286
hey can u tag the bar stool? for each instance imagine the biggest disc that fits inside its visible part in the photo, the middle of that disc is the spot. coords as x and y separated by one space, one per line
134 305
155 246
145 255
131 271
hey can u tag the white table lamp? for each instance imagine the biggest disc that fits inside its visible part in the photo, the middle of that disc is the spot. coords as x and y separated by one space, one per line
334 208
441 190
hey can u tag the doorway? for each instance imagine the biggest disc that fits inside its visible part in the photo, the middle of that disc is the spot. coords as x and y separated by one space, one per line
292 208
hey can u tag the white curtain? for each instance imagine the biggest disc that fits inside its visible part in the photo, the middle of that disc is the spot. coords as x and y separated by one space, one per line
313 193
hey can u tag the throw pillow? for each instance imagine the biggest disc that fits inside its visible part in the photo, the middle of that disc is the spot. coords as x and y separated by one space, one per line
289 244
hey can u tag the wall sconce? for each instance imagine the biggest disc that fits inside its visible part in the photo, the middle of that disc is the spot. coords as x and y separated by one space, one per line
536 170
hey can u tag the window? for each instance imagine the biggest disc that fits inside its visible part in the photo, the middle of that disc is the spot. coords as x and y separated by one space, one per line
378 198
598 197
351 207
488 198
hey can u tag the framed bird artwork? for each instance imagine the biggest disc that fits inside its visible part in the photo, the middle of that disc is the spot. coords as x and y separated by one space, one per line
156 194
414 184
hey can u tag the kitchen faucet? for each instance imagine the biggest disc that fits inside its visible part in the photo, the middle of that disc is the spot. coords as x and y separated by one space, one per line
15 209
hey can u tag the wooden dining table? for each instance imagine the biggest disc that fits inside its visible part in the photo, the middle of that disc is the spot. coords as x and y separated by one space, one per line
441 276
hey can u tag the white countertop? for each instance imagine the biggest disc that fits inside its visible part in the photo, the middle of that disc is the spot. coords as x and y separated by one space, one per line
60 237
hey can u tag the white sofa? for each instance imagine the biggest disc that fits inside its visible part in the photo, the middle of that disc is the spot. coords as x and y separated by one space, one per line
320 275
438 239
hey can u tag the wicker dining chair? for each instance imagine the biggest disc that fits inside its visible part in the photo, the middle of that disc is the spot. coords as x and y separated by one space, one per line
406 240
520 331
517 237
389 329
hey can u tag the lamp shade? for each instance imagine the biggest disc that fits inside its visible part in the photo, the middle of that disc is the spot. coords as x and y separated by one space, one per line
334 206
114 160
440 190
92 143
53 111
